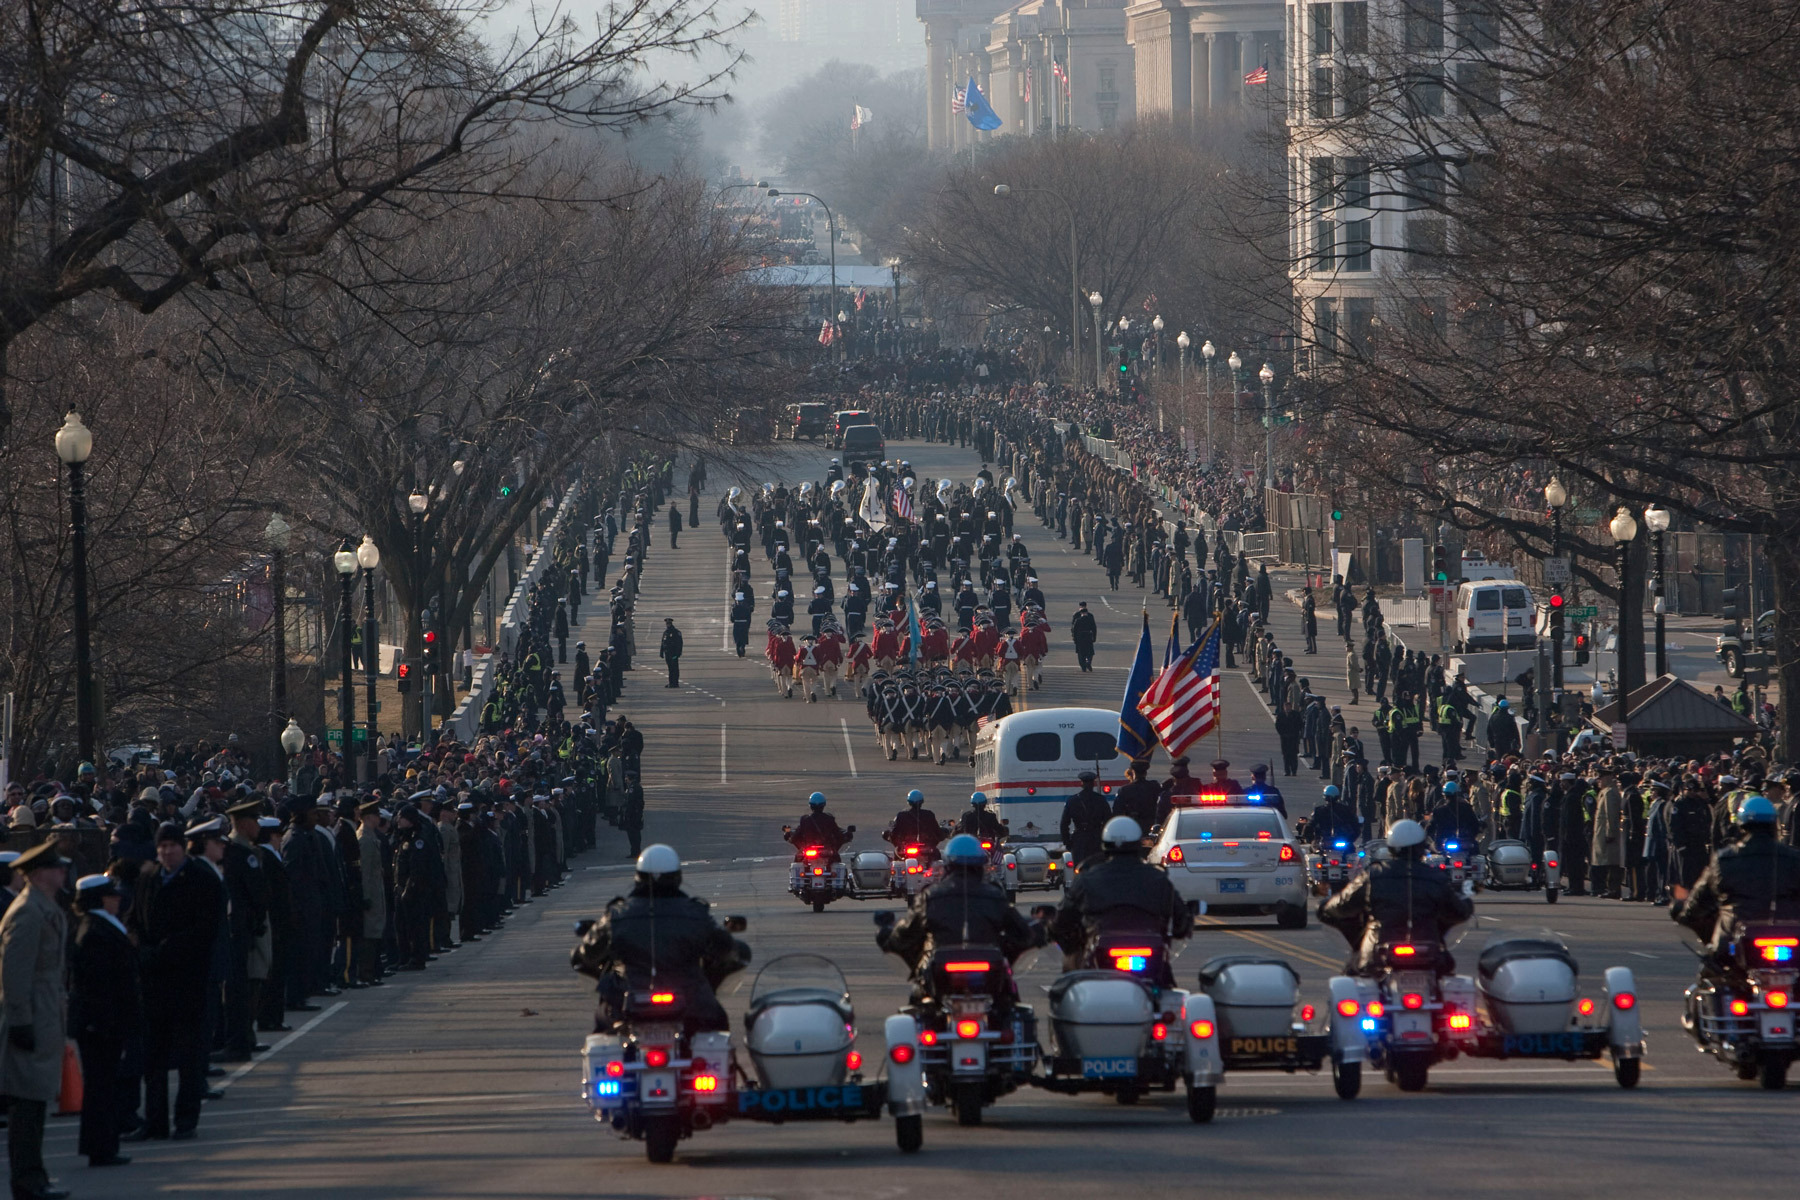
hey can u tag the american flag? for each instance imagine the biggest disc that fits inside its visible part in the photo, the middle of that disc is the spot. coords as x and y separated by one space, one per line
959 100
1260 75
1182 703
903 505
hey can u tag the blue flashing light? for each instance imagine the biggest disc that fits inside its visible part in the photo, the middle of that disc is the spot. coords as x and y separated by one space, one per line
1368 1024
1340 845
1253 797
1778 953
1453 845
1205 835
1135 962
606 1087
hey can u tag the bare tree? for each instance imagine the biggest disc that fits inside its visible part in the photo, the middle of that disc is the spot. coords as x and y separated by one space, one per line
145 149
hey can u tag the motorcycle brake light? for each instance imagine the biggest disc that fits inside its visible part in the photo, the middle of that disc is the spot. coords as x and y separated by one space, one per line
1201 1030
928 1038
1175 855
912 851
1376 1008
1586 1007
1405 951
662 997
1461 1021
965 968
1307 1012
656 1056
615 1069
901 1053
706 1083
812 852
1412 1000
853 1061
1740 1008
1624 1001
1158 1032
1287 853
968 1029
818 870
1348 1008
1775 999
987 845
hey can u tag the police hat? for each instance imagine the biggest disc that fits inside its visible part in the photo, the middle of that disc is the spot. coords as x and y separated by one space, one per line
1219 764
249 808
1087 777
96 886
268 822
39 856
369 807
215 828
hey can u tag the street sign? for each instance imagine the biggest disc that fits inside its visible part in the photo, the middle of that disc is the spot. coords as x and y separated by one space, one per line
1618 735
1586 612
1556 570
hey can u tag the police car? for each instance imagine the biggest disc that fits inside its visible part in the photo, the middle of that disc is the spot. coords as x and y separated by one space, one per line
1236 856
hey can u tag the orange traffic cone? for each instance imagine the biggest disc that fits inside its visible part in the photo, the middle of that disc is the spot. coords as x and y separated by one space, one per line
69 1104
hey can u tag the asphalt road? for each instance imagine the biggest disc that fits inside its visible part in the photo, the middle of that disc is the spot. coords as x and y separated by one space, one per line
462 1082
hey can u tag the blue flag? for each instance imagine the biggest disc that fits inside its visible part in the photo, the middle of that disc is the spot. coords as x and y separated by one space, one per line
912 630
1135 736
981 114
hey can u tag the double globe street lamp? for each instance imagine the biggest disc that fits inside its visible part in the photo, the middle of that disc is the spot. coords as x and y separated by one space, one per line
1624 529
1656 520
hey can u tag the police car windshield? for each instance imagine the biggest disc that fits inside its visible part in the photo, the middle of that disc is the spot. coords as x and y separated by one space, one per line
1211 823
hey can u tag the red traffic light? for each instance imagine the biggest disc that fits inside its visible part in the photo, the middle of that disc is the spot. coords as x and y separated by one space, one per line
404 670
1580 640
1556 600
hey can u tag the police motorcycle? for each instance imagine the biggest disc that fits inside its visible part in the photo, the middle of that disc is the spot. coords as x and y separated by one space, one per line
1458 851
1742 1008
818 874
1119 1026
975 1041
1524 1002
1263 1026
1332 859
913 863
655 1083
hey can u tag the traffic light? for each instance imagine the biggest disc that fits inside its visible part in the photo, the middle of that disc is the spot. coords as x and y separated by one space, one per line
1581 645
403 676
1124 361
1337 514
1728 605
1557 613
1440 563
429 660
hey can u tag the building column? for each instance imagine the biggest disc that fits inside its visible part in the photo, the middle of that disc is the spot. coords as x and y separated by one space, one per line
1202 78
938 41
1223 55
1181 67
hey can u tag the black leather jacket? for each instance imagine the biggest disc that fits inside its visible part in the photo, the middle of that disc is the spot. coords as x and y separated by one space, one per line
659 935
982 823
1395 901
960 909
1119 894
916 827
1757 879
1332 822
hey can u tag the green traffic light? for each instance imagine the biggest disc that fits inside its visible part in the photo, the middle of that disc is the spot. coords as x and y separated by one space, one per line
1337 514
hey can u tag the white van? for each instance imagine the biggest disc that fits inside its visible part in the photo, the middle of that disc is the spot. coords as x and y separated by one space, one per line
1029 763
1494 615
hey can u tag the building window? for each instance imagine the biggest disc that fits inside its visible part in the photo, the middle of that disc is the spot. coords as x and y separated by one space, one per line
1319 18
1355 34
1356 182
1356 91
1425 95
1359 323
1424 28
1324 331
1477 25
1357 246
1425 184
1425 242
1324 244
1478 89
1321 183
1109 115
1321 94
1426 319
1106 80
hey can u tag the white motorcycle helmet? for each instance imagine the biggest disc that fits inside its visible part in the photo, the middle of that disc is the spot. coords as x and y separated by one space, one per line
1404 833
658 862
1121 834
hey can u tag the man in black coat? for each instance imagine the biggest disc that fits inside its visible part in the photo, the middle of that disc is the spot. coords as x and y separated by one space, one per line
176 911
1138 798
670 650
1083 818
271 1006
1085 631
247 887
105 1010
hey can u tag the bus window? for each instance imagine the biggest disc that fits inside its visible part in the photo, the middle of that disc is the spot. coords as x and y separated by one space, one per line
1039 747
1096 745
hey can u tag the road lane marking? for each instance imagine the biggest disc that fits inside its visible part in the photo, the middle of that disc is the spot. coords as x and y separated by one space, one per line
1270 942
1257 692
277 1048
721 754
1642 954
849 751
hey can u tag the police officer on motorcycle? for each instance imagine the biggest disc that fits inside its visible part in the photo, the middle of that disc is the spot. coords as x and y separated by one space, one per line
916 825
1400 900
659 938
1754 879
818 827
1119 893
1453 820
1334 820
960 909
980 820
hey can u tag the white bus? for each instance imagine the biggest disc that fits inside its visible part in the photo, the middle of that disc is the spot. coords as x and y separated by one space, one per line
1028 765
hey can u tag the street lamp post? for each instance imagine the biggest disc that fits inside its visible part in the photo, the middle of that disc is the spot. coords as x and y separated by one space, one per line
1182 342
1157 326
74 442
1267 375
279 535
1207 352
292 741
1237 383
1555 495
345 563
1624 528
1124 325
1095 299
368 557
831 230
1003 191
1656 519
416 504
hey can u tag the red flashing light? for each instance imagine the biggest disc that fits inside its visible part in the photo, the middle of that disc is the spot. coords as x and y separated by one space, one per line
1212 799
1624 1001
1131 952
615 1069
1586 1007
662 997
901 1053
912 851
656 1056
1740 1008
1264 836
853 1061
966 968
706 1083
1376 1008
811 852
1307 1012
1775 999
1461 1021
1201 1030
1405 951
928 1038
1412 1000
1159 1032
968 1029
1348 1008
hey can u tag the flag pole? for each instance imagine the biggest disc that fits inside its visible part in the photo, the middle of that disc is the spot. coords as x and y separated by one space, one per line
1219 725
